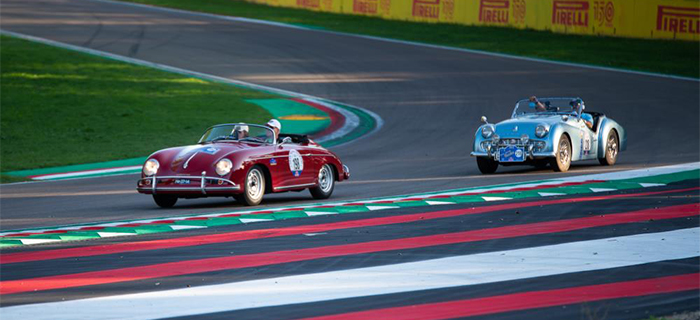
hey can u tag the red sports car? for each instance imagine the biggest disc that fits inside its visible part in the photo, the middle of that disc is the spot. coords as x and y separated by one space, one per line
243 161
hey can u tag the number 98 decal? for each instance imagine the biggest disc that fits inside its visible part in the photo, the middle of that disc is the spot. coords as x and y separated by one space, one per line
296 163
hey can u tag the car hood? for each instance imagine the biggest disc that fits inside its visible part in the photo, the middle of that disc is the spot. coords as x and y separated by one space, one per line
515 127
195 159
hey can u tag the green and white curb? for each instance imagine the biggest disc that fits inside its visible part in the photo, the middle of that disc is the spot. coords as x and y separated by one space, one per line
361 123
579 185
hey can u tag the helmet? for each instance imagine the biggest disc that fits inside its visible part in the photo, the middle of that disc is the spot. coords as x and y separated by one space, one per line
242 127
274 123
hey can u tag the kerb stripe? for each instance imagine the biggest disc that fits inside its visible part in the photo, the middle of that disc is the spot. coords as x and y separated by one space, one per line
527 300
270 233
278 257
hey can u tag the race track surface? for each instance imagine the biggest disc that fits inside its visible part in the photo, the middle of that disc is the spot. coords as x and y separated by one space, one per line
430 100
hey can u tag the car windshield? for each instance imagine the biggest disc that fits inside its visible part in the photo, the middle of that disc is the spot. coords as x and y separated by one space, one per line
239 132
548 106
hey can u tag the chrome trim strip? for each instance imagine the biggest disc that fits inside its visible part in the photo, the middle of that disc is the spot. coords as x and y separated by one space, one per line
295 186
188 160
201 182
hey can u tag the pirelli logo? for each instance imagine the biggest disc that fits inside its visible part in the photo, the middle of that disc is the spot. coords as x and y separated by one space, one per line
570 13
678 19
365 6
494 11
309 3
426 9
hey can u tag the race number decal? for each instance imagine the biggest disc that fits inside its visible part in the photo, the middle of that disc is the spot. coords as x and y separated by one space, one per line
586 143
296 163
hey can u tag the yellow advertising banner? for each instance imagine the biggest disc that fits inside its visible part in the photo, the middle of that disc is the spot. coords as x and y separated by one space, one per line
659 19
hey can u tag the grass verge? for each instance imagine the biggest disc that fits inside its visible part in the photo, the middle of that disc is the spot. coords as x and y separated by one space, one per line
680 58
61 107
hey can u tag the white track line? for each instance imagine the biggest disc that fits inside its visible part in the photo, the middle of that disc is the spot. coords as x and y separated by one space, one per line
398 278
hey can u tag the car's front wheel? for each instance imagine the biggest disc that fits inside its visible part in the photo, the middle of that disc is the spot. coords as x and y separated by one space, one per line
612 149
253 187
486 165
562 159
326 183
165 200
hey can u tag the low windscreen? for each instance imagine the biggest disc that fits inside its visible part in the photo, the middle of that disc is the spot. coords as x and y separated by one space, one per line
239 132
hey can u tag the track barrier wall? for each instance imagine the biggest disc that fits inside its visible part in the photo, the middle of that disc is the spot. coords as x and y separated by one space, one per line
657 19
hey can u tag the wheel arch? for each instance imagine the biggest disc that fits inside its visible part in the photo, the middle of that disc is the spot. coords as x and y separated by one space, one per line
268 176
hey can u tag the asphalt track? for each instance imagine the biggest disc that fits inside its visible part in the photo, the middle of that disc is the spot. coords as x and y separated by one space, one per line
430 99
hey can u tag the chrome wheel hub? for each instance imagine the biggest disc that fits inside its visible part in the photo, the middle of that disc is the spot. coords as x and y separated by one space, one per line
254 184
563 153
612 147
325 179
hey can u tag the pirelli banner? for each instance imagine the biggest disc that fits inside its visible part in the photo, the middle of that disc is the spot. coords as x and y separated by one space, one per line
662 19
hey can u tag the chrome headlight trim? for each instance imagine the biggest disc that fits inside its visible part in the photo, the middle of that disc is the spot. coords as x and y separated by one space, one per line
541 131
223 167
151 167
487 131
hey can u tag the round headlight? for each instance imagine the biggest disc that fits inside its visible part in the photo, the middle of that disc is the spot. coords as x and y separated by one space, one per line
223 167
541 131
487 131
524 138
151 167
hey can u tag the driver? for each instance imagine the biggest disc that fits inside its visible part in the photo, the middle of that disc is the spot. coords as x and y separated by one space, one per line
276 126
241 132
534 103
578 106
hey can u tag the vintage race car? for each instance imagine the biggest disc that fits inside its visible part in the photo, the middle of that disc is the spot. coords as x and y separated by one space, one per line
554 131
244 161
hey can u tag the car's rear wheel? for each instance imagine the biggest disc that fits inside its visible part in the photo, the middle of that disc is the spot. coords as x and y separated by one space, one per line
612 149
253 187
326 183
165 200
486 165
562 159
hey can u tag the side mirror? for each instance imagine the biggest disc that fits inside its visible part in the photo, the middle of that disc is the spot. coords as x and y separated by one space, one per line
286 140
484 120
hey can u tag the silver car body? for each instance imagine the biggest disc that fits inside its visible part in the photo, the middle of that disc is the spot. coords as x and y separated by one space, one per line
586 144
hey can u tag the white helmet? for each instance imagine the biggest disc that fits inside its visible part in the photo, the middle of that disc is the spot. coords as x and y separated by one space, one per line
273 123
242 127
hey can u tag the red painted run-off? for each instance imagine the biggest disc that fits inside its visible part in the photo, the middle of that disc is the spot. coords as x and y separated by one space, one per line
278 257
270 233
527 300
337 119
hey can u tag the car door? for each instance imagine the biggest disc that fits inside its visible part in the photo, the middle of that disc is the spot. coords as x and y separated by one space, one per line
295 167
588 141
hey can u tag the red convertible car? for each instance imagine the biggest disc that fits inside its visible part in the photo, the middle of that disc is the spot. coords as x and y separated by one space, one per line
243 161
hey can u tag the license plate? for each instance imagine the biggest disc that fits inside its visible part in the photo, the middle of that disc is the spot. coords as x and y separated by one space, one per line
511 154
182 181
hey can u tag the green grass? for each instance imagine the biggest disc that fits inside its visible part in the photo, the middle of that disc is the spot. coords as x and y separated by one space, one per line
60 107
8 179
661 56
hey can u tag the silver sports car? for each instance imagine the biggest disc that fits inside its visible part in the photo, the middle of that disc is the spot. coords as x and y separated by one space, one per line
548 131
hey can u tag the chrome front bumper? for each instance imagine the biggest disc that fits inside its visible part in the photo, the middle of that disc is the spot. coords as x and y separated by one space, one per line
168 184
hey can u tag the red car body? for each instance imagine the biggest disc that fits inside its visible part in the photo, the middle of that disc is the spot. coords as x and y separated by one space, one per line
191 171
